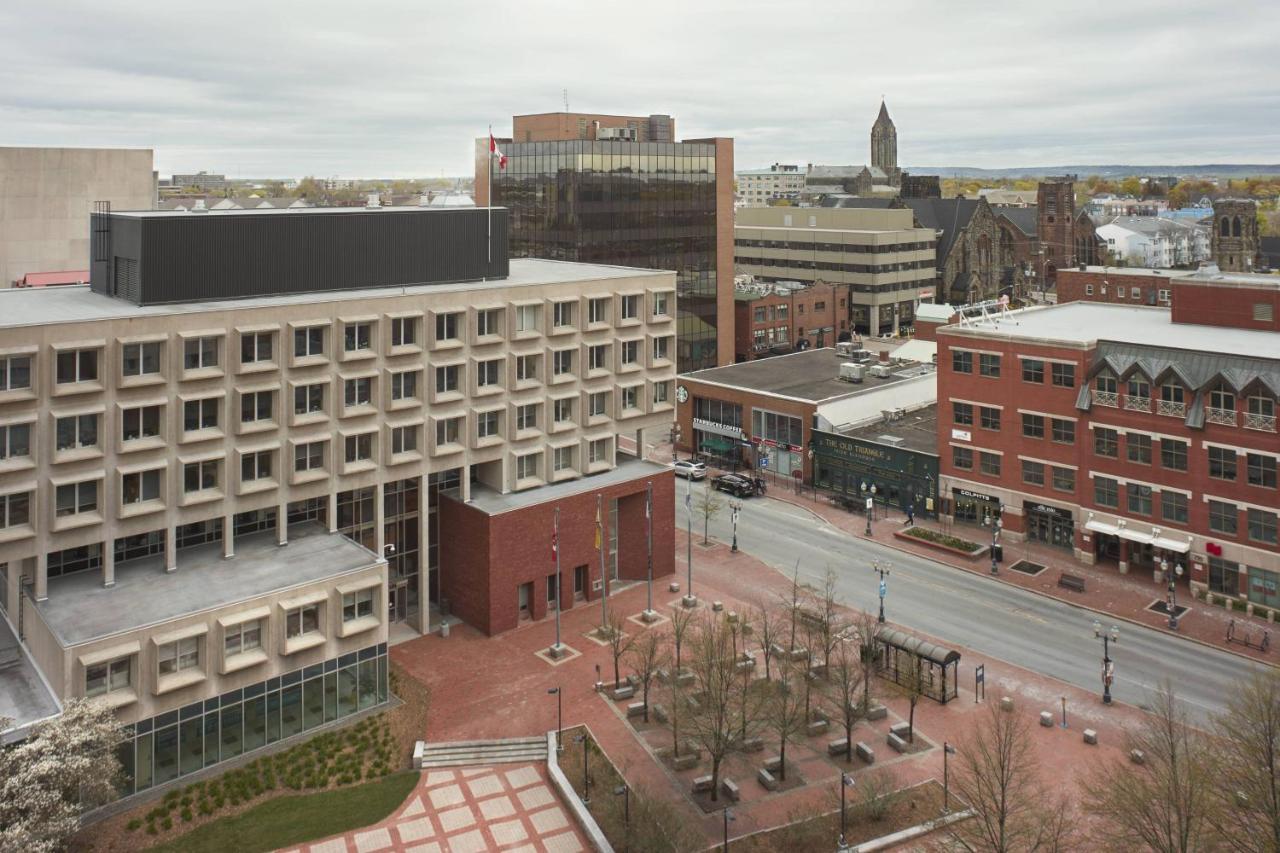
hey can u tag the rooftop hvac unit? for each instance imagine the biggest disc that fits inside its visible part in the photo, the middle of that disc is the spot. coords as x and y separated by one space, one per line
850 372
844 349
880 371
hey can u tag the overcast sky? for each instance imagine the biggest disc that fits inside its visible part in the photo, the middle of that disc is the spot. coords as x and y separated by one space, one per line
394 89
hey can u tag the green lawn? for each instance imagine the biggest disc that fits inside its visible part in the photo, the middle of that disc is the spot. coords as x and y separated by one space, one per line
284 821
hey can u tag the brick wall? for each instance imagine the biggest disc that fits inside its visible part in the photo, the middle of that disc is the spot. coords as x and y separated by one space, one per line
1093 285
486 557
1225 305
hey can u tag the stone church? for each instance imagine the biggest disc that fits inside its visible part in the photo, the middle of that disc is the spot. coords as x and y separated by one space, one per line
882 177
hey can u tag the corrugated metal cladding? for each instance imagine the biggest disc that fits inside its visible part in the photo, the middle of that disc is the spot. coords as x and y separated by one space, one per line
197 257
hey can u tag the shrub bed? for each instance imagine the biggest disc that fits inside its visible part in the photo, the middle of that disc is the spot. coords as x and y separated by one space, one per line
944 539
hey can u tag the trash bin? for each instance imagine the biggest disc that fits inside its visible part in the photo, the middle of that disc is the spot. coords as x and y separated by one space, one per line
997 553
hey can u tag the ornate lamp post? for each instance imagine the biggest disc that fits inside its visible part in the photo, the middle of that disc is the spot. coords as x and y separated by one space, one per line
1171 574
728 816
735 506
882 569
947 750
1108 666
555 691
996 523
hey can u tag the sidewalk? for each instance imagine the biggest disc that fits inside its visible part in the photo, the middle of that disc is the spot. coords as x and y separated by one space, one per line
1125 597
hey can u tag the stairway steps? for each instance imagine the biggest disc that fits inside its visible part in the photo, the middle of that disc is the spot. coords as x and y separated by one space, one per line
514 750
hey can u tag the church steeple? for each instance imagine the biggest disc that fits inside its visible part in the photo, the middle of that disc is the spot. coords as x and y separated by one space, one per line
884 143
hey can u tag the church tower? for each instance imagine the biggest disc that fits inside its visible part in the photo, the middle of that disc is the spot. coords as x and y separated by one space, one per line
884 144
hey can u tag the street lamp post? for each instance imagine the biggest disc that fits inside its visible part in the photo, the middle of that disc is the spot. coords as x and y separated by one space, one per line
996 523
734 507
882 569
867 502
689 599
675 439
1108 666
846 781
1172 573
947 749
624 791
555 691
728 816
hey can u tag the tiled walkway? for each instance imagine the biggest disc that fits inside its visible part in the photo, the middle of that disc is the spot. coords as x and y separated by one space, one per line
508 807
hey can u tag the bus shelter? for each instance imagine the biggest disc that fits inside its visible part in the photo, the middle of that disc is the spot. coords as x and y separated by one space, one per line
900 655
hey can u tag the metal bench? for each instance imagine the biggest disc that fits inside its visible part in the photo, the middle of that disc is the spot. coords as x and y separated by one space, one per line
1072 582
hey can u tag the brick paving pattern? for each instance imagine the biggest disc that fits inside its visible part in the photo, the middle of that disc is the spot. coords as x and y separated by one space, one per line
467 810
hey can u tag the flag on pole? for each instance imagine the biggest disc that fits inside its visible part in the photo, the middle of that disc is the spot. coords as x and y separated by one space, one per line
496 152
688 495
555 534
599 527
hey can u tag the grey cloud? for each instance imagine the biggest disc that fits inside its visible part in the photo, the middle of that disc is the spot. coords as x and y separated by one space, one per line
286 87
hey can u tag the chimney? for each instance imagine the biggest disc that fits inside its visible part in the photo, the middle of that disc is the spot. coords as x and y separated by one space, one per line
884 356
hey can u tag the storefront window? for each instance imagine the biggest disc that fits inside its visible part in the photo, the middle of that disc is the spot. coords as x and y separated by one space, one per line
1264 587
1224 576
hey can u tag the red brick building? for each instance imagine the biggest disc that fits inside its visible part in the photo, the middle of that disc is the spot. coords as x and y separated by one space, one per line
1124 433
1119 285
502 570
781 321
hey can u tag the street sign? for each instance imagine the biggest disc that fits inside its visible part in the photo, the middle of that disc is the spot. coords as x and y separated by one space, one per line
764 460
870 503
883 588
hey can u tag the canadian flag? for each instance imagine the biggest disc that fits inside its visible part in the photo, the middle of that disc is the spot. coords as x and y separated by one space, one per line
495 151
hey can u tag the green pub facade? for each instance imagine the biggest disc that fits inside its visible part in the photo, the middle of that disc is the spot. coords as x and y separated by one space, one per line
902 478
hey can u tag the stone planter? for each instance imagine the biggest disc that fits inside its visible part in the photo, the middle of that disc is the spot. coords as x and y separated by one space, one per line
938 546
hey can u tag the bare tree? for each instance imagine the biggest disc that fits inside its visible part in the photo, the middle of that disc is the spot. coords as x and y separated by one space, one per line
619 643
909 683
1163 804
708 505
1247 787
66 764
831 622
647 654
715 718
996 775
785 712
844 684
791 604
768 628
866 627
681 619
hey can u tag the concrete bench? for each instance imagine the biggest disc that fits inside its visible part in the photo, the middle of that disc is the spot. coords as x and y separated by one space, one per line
673 587
898 744
877 712
633 680
773 763
717 606
839 746
1091 737
1006 703
419 750
900 729
777 651
865 752
1071 582
702 783
753 744
731 617
817 727
799 653
626 691
767 780
684 678
685 761
1137 756
659 713
635 709
662 674
1046 719
730 789
744 665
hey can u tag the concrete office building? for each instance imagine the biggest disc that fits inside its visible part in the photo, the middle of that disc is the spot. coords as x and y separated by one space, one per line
886 261
227 478
595 189
47 194
1128 435
763 187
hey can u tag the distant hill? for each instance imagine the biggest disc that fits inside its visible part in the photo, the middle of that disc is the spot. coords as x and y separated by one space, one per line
1220 170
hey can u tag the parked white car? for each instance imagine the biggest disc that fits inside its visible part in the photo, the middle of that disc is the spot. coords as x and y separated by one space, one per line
690 470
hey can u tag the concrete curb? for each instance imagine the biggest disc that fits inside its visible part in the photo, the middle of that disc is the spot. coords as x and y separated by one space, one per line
570 796
998 579
887 841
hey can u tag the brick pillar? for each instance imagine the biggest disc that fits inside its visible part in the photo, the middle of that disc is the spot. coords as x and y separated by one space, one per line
1124 556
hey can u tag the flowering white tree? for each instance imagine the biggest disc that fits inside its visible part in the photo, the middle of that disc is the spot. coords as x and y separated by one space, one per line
66 764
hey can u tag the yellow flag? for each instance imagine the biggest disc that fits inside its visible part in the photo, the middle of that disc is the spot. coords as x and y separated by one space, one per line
598 527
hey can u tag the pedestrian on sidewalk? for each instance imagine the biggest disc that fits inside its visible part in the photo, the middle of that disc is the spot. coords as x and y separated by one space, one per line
911 515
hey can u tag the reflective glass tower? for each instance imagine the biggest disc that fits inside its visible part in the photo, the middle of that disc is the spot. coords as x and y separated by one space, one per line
658 205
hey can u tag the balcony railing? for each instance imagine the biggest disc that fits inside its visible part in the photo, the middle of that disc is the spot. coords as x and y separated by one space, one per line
1220 416
1137 404
1171 408
1266 423
1106 398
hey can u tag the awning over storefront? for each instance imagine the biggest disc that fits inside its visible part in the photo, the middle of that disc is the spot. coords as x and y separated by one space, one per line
1177 546
715 444
1174 545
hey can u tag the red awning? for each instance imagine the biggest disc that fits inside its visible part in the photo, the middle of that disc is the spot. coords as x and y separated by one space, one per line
49 279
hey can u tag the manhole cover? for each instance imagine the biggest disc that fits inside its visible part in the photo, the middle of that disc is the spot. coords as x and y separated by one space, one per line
1162 607
1027 567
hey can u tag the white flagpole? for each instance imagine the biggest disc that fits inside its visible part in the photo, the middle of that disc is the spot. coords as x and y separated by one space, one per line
649 614
488 147
557 649
604 580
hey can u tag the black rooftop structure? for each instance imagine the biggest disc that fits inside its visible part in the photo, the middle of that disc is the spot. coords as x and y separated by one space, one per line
154 257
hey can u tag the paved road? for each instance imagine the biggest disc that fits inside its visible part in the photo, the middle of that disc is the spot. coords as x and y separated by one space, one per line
996 619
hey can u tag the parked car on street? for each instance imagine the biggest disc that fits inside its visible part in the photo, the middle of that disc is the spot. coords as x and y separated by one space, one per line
689 470
735 485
